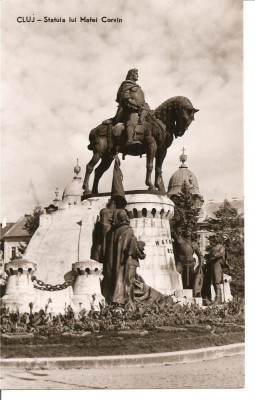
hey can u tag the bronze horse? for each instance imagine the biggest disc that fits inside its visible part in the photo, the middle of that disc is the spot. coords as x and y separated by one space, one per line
156 133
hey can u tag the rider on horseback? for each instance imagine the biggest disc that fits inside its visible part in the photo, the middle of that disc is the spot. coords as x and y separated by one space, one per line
132 106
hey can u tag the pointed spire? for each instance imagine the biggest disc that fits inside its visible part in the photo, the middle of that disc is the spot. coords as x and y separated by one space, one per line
57 193
77 170
183 158
56 201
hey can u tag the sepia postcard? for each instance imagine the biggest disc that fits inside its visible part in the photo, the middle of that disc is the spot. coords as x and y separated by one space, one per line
111 109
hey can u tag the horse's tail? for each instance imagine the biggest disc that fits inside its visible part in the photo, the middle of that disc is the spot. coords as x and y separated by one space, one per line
93 139
95 134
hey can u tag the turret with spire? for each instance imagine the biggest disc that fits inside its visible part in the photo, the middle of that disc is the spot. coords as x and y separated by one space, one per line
57 200
73 191
183 158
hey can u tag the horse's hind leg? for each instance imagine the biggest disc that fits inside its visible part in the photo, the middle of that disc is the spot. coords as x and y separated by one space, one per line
100 170
89 169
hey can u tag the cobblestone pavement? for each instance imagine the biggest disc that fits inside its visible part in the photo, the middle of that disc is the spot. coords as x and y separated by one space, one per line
227 372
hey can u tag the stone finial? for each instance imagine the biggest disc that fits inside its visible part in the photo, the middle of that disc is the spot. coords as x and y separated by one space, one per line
57 200
183 158
77 170
57 193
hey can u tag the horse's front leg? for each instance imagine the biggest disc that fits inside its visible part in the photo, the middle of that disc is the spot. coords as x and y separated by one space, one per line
160 156
100 170
149 166
89 169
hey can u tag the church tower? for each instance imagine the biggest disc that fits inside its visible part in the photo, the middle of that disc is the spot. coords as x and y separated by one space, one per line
73 191
183 174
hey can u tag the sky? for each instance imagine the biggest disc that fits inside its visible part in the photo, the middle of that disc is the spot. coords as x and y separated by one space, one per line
59 81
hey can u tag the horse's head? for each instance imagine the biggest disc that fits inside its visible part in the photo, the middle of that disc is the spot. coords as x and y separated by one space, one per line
177 113
184 115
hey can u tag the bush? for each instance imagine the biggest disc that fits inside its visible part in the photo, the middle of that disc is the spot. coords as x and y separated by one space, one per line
146 316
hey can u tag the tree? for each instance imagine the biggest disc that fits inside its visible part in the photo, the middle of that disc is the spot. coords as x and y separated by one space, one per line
185 211
228 221
33 220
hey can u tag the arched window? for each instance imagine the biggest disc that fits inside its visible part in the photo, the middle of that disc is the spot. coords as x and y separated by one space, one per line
144 212
135 212
153 212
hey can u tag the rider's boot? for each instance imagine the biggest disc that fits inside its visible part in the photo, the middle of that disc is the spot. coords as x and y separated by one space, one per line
130 134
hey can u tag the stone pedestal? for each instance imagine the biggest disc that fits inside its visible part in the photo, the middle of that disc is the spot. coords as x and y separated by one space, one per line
225 290
87 288
20 290
55 302
66 235
63 238
185 296
188 293
150 216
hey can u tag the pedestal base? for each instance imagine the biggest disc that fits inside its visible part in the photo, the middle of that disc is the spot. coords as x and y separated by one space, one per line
20 302
65 233
225 290
87 286
54 302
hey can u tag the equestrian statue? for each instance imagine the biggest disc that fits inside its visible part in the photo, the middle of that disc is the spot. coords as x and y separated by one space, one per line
136 130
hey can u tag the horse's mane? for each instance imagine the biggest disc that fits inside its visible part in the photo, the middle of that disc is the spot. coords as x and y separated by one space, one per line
170 112
174 103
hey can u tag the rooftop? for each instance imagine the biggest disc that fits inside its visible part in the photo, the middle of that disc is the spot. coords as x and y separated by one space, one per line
17 229
5 229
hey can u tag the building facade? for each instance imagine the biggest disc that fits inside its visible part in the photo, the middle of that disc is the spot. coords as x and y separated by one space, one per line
206 209
14 236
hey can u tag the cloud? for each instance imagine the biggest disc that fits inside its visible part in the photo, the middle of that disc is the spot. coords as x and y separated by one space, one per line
60 81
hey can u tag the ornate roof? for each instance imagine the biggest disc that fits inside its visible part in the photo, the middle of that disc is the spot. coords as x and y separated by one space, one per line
183 174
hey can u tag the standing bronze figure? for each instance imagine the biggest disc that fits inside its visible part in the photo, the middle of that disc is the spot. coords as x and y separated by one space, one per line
216 262
122 253
184 250
116 246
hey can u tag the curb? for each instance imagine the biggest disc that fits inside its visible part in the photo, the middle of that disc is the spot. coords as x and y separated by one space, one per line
176 357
